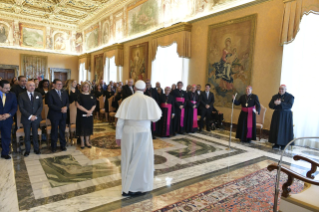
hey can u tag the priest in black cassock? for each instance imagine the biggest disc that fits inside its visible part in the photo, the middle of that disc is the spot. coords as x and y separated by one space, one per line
180 104
167 101
152 92
250 106
281 128
192 110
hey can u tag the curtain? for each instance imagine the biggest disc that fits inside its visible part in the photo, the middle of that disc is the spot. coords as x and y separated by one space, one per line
179 34
168 68
116 51
111 71
300 74
293 12
33 66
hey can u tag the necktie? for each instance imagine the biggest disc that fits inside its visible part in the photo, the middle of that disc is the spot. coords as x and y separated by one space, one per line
31 97
59 92
3 99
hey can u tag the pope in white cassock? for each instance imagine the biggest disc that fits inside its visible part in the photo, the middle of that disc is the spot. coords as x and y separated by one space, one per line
134 135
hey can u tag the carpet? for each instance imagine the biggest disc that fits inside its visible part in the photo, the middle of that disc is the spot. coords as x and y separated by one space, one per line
254 192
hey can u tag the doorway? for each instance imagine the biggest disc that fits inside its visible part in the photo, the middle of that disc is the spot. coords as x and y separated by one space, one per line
7 74
61 76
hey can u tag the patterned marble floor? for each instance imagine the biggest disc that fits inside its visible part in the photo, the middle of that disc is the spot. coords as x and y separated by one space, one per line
90 179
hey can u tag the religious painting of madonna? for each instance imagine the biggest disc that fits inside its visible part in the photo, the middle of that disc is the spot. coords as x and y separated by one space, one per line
229 58
139 62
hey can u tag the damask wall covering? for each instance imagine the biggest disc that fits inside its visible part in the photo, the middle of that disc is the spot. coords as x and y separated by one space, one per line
76 27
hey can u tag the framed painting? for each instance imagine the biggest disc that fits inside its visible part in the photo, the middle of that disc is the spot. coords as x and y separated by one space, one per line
92 38
142 16
139 62
229 57
98 66
32 36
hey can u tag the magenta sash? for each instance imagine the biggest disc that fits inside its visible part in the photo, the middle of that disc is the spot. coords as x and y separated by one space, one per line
249 110
182 100
195 125
169 115
154 126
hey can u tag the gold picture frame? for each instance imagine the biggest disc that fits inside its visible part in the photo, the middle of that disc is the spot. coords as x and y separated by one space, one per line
230 53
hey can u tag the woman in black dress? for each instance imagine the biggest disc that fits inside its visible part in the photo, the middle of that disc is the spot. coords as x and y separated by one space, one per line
84 118
117 98
73 93
98 92
43 89
108 94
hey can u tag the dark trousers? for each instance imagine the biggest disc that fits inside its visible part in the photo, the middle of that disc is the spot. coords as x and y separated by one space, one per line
205 113
58 127
5 137
27 129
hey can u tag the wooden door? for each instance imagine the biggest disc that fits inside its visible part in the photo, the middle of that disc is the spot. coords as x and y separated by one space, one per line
61 76
7 74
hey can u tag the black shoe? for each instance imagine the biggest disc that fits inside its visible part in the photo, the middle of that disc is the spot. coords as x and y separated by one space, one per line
125 194
135 194
26 154
153 137
63 149
37 152
200 130
53 150
82 147
275 146
7 157
208 129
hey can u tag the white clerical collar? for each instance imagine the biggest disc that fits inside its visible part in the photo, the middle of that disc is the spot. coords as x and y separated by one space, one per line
139 92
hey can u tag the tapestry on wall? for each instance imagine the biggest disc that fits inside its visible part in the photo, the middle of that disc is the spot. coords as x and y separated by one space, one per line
32 36
229 58
98 66
143 16
139 61
33 66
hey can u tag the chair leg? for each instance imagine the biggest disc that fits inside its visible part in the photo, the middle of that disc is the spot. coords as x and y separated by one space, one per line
260 134
40 139
48 144
18 150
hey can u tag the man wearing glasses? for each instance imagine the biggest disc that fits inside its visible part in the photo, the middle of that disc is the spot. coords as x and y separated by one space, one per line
58 103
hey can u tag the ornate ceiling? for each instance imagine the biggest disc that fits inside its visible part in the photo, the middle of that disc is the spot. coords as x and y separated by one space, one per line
70 12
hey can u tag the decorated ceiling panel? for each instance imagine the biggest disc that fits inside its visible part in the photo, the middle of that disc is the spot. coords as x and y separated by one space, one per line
79 26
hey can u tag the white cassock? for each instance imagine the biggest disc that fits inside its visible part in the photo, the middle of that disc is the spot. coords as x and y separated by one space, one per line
133 128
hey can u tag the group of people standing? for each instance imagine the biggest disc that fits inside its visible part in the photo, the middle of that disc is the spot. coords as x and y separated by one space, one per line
281 128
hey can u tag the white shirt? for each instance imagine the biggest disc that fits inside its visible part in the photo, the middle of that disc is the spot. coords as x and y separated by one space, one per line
131 89
207 94
29 95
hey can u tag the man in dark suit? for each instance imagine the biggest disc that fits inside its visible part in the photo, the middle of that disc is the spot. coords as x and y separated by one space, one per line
207 106
103 85
8 107
58 103
31 105
128 89
17 89
20 87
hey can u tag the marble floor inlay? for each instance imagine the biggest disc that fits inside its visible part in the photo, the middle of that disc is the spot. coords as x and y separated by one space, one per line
90 179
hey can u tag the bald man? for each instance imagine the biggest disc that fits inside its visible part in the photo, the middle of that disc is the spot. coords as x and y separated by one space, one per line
30 105
250 107
281 128
128 90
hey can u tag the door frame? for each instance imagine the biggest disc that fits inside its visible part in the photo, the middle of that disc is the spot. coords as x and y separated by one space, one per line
16 68
53 70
